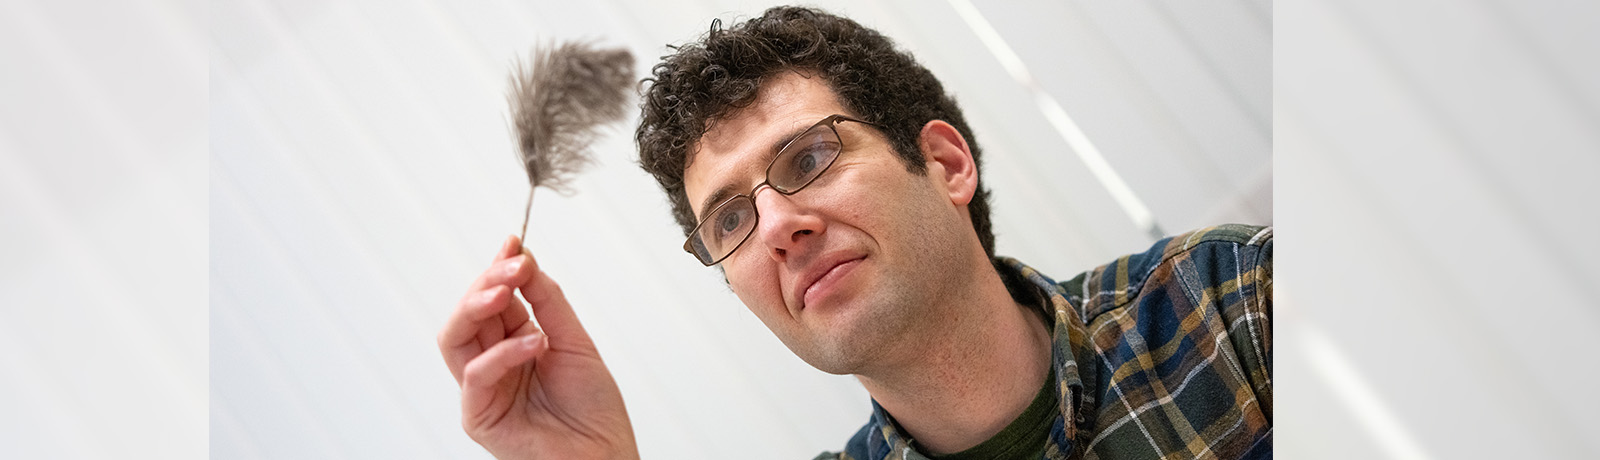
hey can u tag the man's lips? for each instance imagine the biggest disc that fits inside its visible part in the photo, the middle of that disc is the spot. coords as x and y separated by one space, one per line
824 275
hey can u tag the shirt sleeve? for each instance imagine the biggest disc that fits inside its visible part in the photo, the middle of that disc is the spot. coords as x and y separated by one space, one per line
1250 321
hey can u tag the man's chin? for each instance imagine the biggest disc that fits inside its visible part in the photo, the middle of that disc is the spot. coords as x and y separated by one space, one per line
838 351
836 365
849 337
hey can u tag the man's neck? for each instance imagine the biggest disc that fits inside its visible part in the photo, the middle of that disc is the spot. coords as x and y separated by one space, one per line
970 379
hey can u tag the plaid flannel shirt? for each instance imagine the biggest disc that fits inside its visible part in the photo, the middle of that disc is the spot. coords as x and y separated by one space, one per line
1161 354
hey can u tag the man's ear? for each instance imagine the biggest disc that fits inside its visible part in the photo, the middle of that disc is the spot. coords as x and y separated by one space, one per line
949 160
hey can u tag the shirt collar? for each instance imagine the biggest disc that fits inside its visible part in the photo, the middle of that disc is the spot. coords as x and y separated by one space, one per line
1069 345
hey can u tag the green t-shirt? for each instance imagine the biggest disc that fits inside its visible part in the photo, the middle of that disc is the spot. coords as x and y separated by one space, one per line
1025 438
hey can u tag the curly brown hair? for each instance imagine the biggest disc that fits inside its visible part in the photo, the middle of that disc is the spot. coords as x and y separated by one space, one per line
707 80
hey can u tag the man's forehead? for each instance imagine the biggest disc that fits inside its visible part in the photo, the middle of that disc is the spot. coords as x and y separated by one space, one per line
788 98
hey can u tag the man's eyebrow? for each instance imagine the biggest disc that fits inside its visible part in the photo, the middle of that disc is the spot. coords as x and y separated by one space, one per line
723 192
715 199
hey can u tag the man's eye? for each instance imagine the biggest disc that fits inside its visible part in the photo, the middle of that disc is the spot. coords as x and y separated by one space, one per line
808 160
728 222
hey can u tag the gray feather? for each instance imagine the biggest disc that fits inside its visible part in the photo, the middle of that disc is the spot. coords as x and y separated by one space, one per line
559 100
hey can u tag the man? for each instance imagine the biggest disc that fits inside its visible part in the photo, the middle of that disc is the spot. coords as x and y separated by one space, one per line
836 186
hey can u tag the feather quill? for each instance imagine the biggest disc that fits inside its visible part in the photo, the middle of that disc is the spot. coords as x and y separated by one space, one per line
559 100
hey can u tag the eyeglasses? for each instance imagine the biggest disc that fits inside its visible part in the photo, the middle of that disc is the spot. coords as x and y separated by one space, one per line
797 165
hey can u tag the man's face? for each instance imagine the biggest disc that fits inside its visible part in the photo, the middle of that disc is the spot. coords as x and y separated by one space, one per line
844 269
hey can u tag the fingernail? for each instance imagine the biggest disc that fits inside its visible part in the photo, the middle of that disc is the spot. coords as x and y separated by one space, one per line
488 296
532 340
513 266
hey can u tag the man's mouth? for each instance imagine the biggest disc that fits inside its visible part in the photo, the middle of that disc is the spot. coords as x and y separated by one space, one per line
822 283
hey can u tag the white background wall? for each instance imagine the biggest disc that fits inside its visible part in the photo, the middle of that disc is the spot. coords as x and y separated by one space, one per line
1438 288
256 267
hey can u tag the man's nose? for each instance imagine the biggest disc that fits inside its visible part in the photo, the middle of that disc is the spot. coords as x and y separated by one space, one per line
784 225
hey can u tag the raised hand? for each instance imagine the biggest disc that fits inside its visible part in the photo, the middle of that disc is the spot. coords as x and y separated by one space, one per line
531 387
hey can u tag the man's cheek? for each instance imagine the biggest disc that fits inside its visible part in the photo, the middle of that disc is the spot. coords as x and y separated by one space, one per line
759 293
740 284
